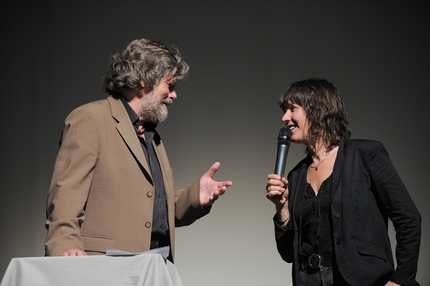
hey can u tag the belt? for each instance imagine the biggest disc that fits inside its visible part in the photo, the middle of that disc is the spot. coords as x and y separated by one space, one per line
314 261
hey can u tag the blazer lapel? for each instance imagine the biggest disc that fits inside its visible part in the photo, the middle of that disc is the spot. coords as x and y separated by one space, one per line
339 166
127 132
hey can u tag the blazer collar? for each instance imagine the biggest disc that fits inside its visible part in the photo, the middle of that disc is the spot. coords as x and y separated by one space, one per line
126 130
337 170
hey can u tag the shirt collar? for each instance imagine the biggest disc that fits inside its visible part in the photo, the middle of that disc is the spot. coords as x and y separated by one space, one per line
149 126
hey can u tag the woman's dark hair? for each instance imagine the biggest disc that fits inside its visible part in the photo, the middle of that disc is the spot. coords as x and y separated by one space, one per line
325 111
143 60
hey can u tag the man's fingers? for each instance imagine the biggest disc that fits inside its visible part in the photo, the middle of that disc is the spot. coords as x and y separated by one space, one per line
213 169
74 252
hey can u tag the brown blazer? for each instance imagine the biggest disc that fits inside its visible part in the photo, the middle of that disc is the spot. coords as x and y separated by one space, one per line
101 193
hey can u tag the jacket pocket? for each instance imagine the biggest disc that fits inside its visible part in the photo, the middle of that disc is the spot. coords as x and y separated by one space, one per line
368 249
97 243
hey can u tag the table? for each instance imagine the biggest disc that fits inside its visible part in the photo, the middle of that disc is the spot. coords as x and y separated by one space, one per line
96 270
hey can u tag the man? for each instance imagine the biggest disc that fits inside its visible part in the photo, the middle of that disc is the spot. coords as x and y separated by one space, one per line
112 184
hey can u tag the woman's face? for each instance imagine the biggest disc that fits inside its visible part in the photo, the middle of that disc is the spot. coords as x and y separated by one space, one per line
295 119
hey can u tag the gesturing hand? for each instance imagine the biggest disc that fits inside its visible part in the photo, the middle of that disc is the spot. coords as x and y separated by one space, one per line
210 190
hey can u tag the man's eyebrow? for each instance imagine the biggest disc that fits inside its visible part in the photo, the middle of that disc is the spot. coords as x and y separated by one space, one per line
172 82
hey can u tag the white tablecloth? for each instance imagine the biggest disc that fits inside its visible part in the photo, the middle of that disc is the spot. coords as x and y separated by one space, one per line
146 269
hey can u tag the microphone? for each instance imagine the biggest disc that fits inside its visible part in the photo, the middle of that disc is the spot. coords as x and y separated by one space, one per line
284 141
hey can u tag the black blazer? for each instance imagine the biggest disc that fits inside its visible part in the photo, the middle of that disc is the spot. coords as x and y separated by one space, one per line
366 191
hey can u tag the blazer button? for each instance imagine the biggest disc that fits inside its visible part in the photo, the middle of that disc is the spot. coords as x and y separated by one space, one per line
338 240
148 224
149 194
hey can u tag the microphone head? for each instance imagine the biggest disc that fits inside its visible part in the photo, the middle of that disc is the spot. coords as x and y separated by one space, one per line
284 136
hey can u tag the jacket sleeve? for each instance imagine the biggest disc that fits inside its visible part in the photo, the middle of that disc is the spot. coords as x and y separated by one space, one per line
284 239
70 184
187 205
396 203
285 235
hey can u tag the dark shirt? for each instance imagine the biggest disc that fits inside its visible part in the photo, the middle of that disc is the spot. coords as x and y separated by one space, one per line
160 225
313 215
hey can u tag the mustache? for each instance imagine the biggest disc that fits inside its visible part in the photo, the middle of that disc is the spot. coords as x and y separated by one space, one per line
167 101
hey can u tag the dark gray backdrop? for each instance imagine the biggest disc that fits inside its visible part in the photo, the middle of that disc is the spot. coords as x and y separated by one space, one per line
242 54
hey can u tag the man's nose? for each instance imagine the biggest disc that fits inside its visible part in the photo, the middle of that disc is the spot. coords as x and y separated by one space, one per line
172 94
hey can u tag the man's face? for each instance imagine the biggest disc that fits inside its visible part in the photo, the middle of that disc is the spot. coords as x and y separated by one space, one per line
155 102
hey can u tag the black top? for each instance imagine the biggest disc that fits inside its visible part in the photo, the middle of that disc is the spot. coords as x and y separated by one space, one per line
313 215
160 225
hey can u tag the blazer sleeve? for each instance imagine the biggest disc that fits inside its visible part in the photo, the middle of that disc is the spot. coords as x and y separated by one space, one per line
70 184
397 204
187 205
284 236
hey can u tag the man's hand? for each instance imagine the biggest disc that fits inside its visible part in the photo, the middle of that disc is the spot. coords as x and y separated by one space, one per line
210 190
74 252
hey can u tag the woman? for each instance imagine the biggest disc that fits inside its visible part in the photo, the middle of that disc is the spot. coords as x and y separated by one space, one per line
332 212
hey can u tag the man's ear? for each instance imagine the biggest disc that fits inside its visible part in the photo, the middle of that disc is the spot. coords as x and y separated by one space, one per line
141 84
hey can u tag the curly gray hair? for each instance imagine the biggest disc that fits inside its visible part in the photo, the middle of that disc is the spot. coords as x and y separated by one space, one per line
143 60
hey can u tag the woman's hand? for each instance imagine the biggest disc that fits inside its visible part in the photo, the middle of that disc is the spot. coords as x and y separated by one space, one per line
389 283
277 192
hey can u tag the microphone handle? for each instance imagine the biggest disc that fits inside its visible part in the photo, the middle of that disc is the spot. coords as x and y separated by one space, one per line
281 159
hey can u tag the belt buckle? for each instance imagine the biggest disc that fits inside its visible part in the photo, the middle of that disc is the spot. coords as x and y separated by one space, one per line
315 261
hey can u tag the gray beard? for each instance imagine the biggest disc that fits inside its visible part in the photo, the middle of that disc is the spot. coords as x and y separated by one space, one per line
154 114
